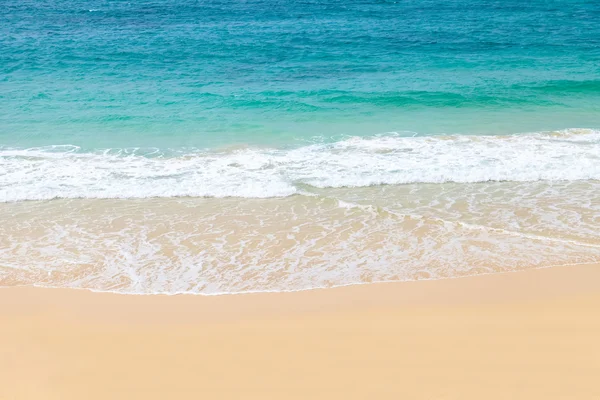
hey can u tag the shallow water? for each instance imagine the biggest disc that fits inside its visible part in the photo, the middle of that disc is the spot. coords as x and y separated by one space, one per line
332 237
219 147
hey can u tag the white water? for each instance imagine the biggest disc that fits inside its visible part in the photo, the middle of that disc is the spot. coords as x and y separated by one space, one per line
67 172
334 237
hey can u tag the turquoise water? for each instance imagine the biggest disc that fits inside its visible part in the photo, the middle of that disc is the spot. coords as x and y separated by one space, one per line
172 146
205 74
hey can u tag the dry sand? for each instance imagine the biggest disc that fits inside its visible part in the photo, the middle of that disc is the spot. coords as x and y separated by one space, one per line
527 335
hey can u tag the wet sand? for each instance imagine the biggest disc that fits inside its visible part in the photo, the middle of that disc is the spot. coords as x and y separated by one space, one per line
532 334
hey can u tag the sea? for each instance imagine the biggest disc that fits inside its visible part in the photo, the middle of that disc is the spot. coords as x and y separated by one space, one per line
217 147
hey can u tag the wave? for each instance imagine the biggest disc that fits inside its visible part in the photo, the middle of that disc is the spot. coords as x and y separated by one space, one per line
69 172
219 246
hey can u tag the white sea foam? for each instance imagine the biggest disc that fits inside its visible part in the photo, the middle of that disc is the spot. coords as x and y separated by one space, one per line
339 237
68 172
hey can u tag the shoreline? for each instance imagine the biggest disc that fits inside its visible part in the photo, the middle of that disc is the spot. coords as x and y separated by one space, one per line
272 292
527 334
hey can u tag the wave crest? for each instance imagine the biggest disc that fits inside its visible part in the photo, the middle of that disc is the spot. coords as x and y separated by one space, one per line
68 172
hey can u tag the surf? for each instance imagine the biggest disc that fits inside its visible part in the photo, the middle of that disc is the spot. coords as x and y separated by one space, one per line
68 172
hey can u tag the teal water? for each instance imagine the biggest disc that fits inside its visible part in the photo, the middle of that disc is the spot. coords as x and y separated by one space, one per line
211 146
205 74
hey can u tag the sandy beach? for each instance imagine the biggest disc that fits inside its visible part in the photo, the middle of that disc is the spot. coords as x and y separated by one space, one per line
525 335
281 200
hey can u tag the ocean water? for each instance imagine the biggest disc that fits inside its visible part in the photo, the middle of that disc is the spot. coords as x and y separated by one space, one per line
229 146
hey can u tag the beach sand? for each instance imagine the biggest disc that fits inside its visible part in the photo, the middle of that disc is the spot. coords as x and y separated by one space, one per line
530 335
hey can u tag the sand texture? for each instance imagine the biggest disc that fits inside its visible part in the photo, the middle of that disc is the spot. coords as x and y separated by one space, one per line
529 335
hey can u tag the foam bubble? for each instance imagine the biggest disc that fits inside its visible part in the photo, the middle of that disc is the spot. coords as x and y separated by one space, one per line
68 172
210 246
